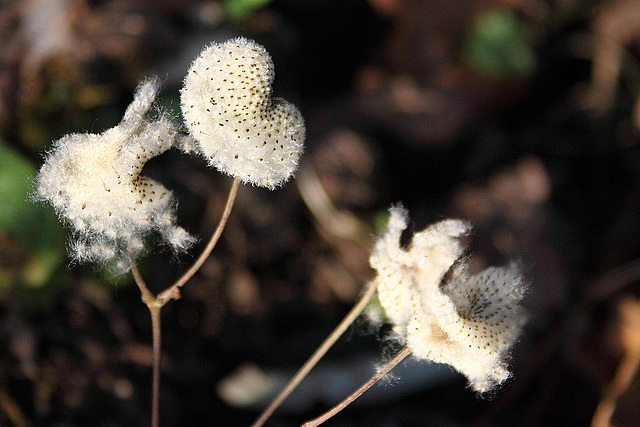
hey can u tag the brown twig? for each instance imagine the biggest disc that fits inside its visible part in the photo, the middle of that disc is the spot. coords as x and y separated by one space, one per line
628 367
364 387
339 222
12 410
317 355
173 292
154 309
155 304
157 345
147 297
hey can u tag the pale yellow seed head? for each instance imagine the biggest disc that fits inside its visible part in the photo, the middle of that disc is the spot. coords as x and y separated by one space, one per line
442 313
94 183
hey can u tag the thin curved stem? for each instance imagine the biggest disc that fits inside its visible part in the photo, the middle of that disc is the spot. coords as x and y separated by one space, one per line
155 304
147 297
317 355
628 367
173 292
625 373
12 410
364 387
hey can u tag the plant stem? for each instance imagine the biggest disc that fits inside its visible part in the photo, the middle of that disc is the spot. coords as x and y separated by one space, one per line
152 304
173 292
628 367
147 296
156 327
155 304
12 410
625 373
364 387
317 355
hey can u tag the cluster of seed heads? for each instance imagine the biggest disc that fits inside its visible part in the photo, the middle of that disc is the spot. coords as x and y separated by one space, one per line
93 180
443 314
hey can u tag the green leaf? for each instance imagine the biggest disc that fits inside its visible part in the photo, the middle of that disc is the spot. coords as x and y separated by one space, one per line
237 10
380 221
29 230
498 45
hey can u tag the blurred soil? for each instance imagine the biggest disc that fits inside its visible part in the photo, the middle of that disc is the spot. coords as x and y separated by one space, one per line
520 116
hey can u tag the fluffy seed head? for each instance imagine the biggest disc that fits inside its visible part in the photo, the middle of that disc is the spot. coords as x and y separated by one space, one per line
468 322
400 272
93 181
239 128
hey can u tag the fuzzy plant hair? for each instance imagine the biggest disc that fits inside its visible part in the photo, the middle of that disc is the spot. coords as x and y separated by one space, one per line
93 182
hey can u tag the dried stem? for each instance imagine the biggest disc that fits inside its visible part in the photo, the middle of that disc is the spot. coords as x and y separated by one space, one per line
147 296
340 223
364 387
157 336
628 367
12 410
154 309
317 355
155 304
173 292
625 373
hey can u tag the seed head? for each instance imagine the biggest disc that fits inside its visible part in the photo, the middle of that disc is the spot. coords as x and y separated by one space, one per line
93 182
468 322
238 127
431 254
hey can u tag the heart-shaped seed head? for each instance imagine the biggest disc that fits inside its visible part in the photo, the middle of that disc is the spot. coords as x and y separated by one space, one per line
228 109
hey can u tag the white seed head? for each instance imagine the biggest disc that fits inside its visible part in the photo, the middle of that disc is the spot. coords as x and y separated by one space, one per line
468 322
488 320
238 127
93 181
402 273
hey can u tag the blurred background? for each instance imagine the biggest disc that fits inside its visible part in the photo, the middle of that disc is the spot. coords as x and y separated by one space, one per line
521 116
